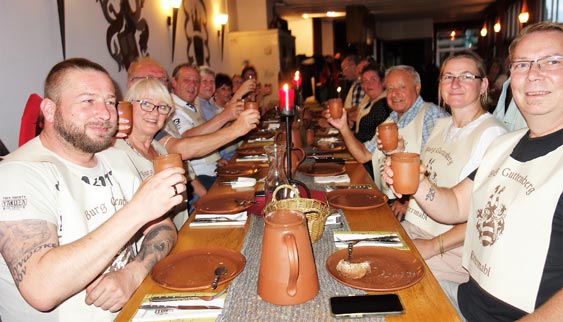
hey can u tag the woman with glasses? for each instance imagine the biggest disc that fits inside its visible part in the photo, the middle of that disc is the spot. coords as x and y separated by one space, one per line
453 150
152 105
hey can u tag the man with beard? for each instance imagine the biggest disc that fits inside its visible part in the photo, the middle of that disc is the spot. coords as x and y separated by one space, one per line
74 210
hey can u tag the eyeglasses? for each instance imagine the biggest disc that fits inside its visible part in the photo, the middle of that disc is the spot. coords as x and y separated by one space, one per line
149 107
163 80
463 78
545 64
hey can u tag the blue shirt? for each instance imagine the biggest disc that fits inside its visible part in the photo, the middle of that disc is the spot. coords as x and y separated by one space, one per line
208 108
433 113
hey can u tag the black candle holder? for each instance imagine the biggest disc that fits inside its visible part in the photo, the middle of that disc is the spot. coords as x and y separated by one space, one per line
288 116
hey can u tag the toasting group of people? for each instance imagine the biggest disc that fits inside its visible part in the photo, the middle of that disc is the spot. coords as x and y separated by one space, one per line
84 217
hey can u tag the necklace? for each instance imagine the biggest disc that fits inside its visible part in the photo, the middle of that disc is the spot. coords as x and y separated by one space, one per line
148 155
473 118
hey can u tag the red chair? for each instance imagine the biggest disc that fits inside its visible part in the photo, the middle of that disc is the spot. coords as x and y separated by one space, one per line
31 124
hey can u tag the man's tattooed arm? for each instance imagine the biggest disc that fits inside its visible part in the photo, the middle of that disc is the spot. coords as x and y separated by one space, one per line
431 194
21 240
157 244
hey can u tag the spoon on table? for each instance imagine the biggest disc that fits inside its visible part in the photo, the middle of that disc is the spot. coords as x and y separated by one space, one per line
219 271
350 248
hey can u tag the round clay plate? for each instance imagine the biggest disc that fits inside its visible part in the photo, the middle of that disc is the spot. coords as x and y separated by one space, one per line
261 135
391 269
356 199
321 169
251 151
194 269
226 203
234 170
330 146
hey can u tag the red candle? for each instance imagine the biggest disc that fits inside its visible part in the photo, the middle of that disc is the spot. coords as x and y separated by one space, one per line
287 96
297 80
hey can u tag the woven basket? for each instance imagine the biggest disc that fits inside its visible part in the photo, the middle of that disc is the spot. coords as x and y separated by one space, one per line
316 211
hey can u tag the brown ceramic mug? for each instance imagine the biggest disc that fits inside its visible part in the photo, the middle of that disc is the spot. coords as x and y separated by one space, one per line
125 111
166 161
335 107
406 172
310 137
249 105
389 135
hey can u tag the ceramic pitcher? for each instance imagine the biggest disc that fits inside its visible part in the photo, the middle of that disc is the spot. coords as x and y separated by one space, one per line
287 274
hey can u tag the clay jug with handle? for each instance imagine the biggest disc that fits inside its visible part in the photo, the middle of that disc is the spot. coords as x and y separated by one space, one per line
297 156
288 274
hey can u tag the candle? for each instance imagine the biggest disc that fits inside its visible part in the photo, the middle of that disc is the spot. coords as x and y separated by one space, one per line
287 96
297 79
338 90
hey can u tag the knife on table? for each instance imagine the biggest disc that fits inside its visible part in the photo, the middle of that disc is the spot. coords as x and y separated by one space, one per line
179 307
327 159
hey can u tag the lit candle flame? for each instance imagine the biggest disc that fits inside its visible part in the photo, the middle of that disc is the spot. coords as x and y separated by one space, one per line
338 89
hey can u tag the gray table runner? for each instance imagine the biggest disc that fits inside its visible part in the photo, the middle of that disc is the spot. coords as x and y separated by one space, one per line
244 304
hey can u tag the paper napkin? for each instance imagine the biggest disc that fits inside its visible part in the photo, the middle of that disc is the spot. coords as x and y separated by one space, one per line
253 158
334 220
238 219
340 238
343 178
259 139
242 182
169 314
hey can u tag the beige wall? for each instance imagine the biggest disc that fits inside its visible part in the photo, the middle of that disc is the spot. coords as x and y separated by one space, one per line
302 30
31 45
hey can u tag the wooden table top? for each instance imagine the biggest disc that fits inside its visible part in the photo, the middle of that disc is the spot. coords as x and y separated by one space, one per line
424 301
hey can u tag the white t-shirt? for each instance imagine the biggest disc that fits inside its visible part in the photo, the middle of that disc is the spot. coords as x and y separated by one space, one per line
75 199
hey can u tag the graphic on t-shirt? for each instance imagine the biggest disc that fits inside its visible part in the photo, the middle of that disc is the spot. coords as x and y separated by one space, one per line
490 220
100 181
432 175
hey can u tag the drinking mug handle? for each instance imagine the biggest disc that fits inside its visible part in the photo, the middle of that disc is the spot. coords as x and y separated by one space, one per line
291 245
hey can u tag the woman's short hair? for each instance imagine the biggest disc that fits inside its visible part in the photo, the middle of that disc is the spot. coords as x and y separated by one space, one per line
150 87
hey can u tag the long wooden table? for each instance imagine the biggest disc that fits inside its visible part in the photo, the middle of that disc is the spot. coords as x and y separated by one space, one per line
424 301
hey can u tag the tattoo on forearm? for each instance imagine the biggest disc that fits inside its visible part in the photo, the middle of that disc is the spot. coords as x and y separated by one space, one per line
156 245
20 240
431 194
20 267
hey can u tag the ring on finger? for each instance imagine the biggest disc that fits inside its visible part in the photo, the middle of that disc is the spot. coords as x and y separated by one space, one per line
175 190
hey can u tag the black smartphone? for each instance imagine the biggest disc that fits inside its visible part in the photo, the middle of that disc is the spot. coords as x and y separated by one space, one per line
360 305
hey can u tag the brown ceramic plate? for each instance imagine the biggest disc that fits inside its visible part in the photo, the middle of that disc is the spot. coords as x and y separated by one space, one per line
261 135
356 199
330 146
391 269
236 170
194 269
322 169
251 151
226 203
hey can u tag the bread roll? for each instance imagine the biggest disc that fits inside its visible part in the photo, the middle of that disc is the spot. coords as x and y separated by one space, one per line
353 270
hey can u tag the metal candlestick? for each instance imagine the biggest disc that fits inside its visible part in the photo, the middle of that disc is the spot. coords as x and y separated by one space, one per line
288 115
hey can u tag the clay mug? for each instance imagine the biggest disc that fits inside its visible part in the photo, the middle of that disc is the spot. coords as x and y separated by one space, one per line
335 107
297 156
295 137
406 172
310 137
125 111
389 135
249 105
166 161
288 274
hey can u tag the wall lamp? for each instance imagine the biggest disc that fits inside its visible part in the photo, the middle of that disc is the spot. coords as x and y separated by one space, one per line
496 27
524 14
175 5
221 21
484 30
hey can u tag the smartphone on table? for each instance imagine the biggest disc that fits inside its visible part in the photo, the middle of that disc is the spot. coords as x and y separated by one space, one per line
364 305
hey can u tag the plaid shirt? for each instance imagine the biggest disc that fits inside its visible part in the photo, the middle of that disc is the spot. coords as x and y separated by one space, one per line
432 114
357 93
